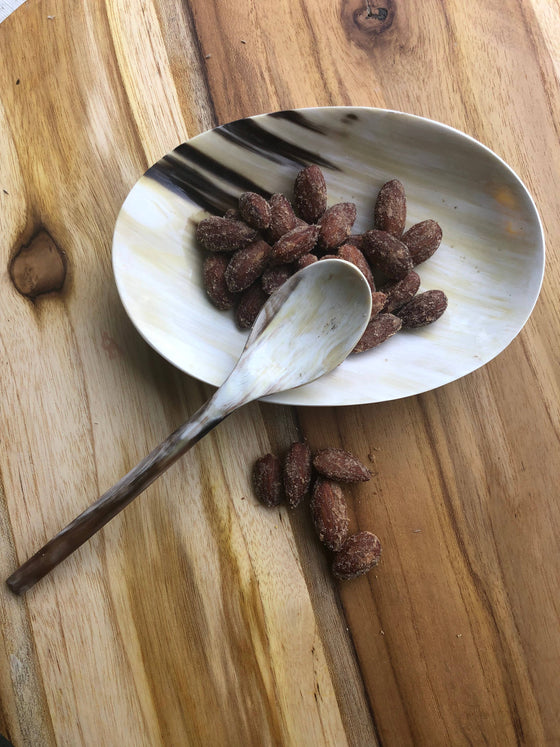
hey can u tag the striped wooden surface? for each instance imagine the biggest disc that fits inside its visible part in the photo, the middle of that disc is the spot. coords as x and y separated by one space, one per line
196 617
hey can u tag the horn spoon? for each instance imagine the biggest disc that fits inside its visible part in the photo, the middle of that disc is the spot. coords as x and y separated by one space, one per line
305 329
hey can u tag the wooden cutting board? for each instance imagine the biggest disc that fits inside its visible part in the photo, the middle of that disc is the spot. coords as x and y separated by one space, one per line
196 616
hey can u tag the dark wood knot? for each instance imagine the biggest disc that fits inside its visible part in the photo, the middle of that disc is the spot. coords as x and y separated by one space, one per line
39 266
373 19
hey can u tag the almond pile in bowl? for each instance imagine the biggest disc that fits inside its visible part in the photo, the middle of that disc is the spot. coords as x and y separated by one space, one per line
319 477
252 250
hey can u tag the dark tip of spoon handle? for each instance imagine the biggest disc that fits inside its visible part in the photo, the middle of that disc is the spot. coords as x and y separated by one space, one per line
111 503
75 534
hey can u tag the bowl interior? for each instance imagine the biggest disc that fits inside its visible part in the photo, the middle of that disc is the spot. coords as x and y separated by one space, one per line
490 263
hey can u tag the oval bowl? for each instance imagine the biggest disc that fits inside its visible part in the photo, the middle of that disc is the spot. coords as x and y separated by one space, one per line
490 263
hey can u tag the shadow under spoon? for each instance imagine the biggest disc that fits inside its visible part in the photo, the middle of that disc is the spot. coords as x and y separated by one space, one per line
305 329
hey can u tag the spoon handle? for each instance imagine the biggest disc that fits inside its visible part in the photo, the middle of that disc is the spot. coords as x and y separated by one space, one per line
115 499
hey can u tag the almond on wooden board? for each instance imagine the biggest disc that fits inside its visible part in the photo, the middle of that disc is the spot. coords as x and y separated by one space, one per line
340 465
329 513
379 329
218 234
297 473
422 240
294 244
246 265
335 225
359 554
254 210
310 194
424 309
390 208
267 480
386 253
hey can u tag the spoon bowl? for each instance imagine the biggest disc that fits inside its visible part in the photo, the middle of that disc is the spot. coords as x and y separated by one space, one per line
305 329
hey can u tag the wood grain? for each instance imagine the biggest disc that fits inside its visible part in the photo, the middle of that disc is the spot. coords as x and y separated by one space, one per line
197 617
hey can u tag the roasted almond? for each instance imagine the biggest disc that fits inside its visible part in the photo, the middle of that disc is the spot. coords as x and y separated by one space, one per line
213 278
335 225
340 465
274 277
390 208
352 254
282 217
379 329
224 235
422 240
401 291
297 473
254 210
267 480
378 300
329 513
359 554
356 239
386 253
294 244
310 194
305 261
424 309
246 265
250 303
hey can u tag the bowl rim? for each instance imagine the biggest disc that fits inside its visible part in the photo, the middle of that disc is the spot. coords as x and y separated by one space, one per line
290 397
